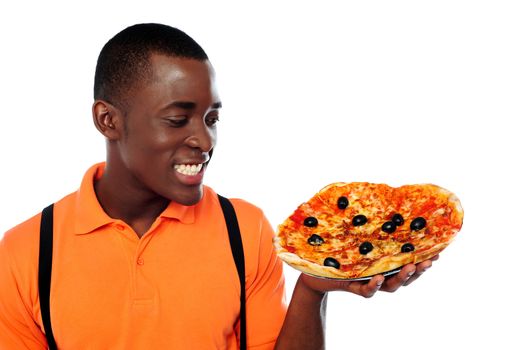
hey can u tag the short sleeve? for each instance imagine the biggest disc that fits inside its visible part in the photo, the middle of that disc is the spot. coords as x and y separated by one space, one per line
18 330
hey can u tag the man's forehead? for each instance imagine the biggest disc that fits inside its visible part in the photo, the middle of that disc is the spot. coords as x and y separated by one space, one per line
176 68
181 80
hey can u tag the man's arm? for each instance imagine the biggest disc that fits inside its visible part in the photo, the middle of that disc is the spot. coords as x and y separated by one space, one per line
18 330
304 325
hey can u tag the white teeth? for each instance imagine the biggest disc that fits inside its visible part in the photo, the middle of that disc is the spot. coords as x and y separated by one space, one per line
188 169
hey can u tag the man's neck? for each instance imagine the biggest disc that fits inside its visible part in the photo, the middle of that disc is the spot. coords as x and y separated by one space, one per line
139 209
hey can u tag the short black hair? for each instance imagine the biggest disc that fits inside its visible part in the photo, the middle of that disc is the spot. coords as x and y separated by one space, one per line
124 61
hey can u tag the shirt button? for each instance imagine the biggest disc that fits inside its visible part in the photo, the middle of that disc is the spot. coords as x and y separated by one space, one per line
140 261
120 227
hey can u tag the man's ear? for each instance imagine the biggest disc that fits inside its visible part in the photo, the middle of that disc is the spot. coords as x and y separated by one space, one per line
107 119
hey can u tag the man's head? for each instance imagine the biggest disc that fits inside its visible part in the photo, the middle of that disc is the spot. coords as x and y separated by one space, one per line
124 61
156 102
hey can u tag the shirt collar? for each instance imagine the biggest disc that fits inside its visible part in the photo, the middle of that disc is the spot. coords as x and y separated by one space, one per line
180 212
90 215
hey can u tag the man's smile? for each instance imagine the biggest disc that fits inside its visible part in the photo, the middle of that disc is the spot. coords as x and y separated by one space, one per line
188 169
191 173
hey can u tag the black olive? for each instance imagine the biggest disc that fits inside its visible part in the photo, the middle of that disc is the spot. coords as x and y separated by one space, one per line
332 262
359 220
343 202
315 240
398 219
310 221
365 248
418 224
407 247
389 227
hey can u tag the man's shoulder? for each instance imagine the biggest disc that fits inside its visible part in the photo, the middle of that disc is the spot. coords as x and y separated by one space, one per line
241 206
25 236
24 233
19 247
246 207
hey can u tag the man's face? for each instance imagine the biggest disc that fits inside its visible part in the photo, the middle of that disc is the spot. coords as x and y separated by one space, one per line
170 129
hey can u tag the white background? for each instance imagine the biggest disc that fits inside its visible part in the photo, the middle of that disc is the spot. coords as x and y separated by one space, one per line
396 92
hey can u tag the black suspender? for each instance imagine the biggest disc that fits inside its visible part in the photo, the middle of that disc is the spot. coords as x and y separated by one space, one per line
46 260
45 265
239 259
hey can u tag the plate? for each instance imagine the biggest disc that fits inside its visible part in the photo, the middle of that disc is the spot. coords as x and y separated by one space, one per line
366 278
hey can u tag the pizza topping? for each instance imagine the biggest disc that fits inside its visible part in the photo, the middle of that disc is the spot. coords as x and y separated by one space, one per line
418 224
365 248
315 240
343 202
398 219
310 221
359 220
389 227
407 247
332 262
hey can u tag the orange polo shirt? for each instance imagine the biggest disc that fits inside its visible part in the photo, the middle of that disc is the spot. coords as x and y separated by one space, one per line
175 288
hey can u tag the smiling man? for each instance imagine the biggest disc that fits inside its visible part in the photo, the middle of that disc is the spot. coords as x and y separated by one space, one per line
141 251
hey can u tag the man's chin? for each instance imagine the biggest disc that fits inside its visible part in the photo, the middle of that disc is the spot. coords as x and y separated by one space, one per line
190 197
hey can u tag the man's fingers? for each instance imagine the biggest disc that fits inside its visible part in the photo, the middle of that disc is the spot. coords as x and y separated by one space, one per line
408 274
401 278
421 268
367 290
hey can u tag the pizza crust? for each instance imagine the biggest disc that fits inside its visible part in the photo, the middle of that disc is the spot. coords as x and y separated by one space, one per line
311 268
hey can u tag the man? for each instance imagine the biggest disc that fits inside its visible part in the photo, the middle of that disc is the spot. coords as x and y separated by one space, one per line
141 255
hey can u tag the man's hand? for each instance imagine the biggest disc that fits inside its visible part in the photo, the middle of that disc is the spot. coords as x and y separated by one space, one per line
408 274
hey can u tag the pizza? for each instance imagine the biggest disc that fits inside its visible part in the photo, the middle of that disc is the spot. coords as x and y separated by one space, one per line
360 229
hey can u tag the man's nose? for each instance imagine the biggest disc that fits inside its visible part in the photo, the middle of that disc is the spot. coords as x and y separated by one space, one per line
201 137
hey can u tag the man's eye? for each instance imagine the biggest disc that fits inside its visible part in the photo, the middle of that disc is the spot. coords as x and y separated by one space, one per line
210 121
177 121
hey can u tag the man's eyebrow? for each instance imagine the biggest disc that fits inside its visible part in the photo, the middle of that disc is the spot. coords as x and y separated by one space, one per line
190 105
181 104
